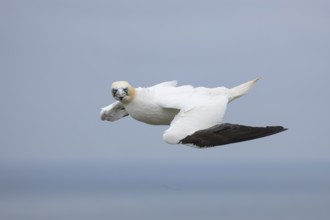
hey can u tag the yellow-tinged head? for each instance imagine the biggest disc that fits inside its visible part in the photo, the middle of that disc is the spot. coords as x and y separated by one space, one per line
122 91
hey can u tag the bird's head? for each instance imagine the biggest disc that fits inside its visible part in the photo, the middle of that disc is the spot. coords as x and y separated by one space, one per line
122 91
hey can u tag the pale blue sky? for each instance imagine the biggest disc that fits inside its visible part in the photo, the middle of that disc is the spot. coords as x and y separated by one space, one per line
59 58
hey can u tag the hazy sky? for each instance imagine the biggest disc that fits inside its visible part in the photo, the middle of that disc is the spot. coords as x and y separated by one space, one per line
58 59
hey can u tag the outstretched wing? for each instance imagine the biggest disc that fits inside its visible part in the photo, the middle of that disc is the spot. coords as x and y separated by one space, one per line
199 123
229 133
113 112
203 110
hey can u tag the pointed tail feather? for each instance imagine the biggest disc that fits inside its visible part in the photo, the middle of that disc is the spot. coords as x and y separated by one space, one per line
242 89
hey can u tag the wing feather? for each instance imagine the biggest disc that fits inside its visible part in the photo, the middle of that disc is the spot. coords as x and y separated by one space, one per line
168 83
203 111
228 133
113 112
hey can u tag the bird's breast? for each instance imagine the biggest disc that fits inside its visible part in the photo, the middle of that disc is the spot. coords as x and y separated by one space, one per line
151 114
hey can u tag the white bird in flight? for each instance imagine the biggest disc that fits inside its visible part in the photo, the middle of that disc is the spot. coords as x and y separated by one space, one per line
195 114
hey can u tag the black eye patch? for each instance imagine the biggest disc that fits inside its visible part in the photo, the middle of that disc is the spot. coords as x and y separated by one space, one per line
126 90
114 91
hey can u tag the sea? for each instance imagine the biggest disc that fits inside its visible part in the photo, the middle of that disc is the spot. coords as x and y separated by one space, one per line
159 190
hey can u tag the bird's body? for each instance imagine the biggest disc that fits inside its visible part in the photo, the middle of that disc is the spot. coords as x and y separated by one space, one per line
159 104
186 109
146 108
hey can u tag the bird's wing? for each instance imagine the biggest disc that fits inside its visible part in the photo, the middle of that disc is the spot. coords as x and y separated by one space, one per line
168 83
227 134
199 122
203 110
113 112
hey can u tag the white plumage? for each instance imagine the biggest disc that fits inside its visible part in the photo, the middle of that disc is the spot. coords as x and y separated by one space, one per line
186 109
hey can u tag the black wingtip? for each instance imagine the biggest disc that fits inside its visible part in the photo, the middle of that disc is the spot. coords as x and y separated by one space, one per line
229 133
276 129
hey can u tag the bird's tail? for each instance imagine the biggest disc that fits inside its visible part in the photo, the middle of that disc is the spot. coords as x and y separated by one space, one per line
242 89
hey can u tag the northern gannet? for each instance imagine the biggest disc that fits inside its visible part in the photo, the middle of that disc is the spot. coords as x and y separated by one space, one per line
195 114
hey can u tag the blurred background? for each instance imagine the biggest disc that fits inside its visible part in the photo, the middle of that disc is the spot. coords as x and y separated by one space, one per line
58 160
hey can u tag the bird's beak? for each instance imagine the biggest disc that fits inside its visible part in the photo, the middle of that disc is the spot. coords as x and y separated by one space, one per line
120 94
